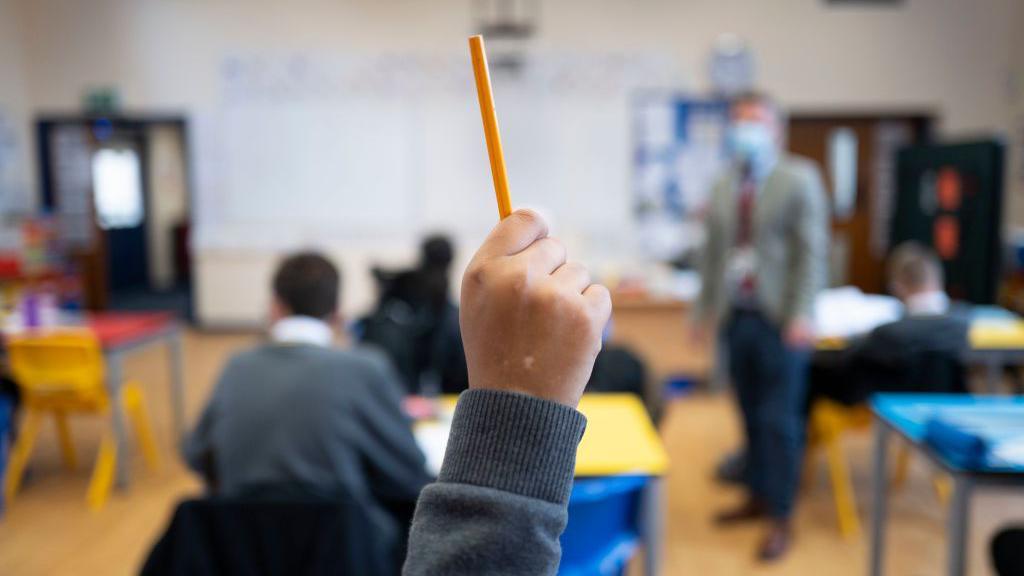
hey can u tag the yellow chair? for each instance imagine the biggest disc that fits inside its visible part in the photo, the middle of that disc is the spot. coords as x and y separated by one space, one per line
828 422
62 374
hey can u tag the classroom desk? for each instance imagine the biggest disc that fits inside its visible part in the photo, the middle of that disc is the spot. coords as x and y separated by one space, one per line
993 345
904 415
120 334
619 440
996 346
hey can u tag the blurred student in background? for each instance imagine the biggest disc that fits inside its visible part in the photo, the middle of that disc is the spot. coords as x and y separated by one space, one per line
416 323
617 369
765 261
921 352
298 413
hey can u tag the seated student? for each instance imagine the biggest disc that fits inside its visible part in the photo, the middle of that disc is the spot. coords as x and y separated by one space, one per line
618 369
10 402
920 352
532 326
298 412
10 394
416 323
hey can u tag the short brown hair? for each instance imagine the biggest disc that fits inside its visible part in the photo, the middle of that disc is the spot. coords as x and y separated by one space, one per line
753 97
308 284
914 266
758 98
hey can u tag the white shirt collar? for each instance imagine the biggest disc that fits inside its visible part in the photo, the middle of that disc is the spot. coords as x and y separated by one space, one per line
927 303
302 330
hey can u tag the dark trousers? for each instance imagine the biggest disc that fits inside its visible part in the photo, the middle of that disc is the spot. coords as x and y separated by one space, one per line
770 380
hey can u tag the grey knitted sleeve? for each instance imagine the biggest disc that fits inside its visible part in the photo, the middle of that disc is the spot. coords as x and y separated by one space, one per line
500 502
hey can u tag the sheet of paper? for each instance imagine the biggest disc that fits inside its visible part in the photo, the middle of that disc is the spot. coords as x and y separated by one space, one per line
1010 452
846 311
432 437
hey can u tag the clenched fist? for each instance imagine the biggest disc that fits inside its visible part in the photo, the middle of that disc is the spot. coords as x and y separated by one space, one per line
531 322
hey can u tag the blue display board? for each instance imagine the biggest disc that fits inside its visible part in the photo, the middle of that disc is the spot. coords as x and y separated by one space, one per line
679 151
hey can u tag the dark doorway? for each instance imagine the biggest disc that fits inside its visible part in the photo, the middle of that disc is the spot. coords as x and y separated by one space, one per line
857 154
118 190
119 203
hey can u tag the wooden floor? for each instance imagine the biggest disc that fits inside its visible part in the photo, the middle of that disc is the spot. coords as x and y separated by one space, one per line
48 529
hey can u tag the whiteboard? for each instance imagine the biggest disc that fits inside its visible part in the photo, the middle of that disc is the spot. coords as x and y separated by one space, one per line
313 149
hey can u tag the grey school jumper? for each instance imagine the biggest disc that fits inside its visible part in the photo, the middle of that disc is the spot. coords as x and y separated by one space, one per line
324 418
500 503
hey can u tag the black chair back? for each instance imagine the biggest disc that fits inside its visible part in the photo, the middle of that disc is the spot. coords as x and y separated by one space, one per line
271 532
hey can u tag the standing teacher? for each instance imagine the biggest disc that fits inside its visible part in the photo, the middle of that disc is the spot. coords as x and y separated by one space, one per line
765 260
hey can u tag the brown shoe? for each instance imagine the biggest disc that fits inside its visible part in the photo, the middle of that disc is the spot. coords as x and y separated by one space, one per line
749 511
776 541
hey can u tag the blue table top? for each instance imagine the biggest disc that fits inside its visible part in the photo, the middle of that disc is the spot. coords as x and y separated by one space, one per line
994 418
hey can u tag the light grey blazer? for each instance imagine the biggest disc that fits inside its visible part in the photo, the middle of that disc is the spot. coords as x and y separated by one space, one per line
791 235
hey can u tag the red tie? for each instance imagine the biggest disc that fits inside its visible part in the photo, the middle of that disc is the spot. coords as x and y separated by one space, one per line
745 234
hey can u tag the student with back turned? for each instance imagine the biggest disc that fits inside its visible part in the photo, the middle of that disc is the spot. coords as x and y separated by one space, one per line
921 352
416 323
765 260
297 412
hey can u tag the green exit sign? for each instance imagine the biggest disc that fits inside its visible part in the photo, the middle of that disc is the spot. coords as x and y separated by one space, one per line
105 100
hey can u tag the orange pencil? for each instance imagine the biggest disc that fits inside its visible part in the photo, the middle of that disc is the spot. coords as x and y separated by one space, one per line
490 119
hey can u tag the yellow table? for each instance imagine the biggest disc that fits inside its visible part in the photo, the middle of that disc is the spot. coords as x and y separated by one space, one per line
620 440
997 335
995 345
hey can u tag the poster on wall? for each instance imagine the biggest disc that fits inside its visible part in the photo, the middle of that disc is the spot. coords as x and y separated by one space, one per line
72 165
13 189
679 150
949 197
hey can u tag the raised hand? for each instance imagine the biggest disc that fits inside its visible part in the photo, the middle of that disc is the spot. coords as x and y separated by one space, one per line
531 321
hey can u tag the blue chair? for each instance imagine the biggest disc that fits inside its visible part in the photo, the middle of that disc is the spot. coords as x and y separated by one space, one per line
603 530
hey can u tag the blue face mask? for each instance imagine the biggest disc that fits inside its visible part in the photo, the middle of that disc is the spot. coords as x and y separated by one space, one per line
752 144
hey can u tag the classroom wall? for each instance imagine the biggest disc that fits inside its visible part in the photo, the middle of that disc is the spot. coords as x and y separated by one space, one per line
1017 90
952 57
16 175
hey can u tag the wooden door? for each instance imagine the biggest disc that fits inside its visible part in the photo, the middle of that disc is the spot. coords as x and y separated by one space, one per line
859 239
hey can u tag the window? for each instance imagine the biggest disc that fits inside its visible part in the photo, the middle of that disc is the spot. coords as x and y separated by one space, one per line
842 159
117 188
